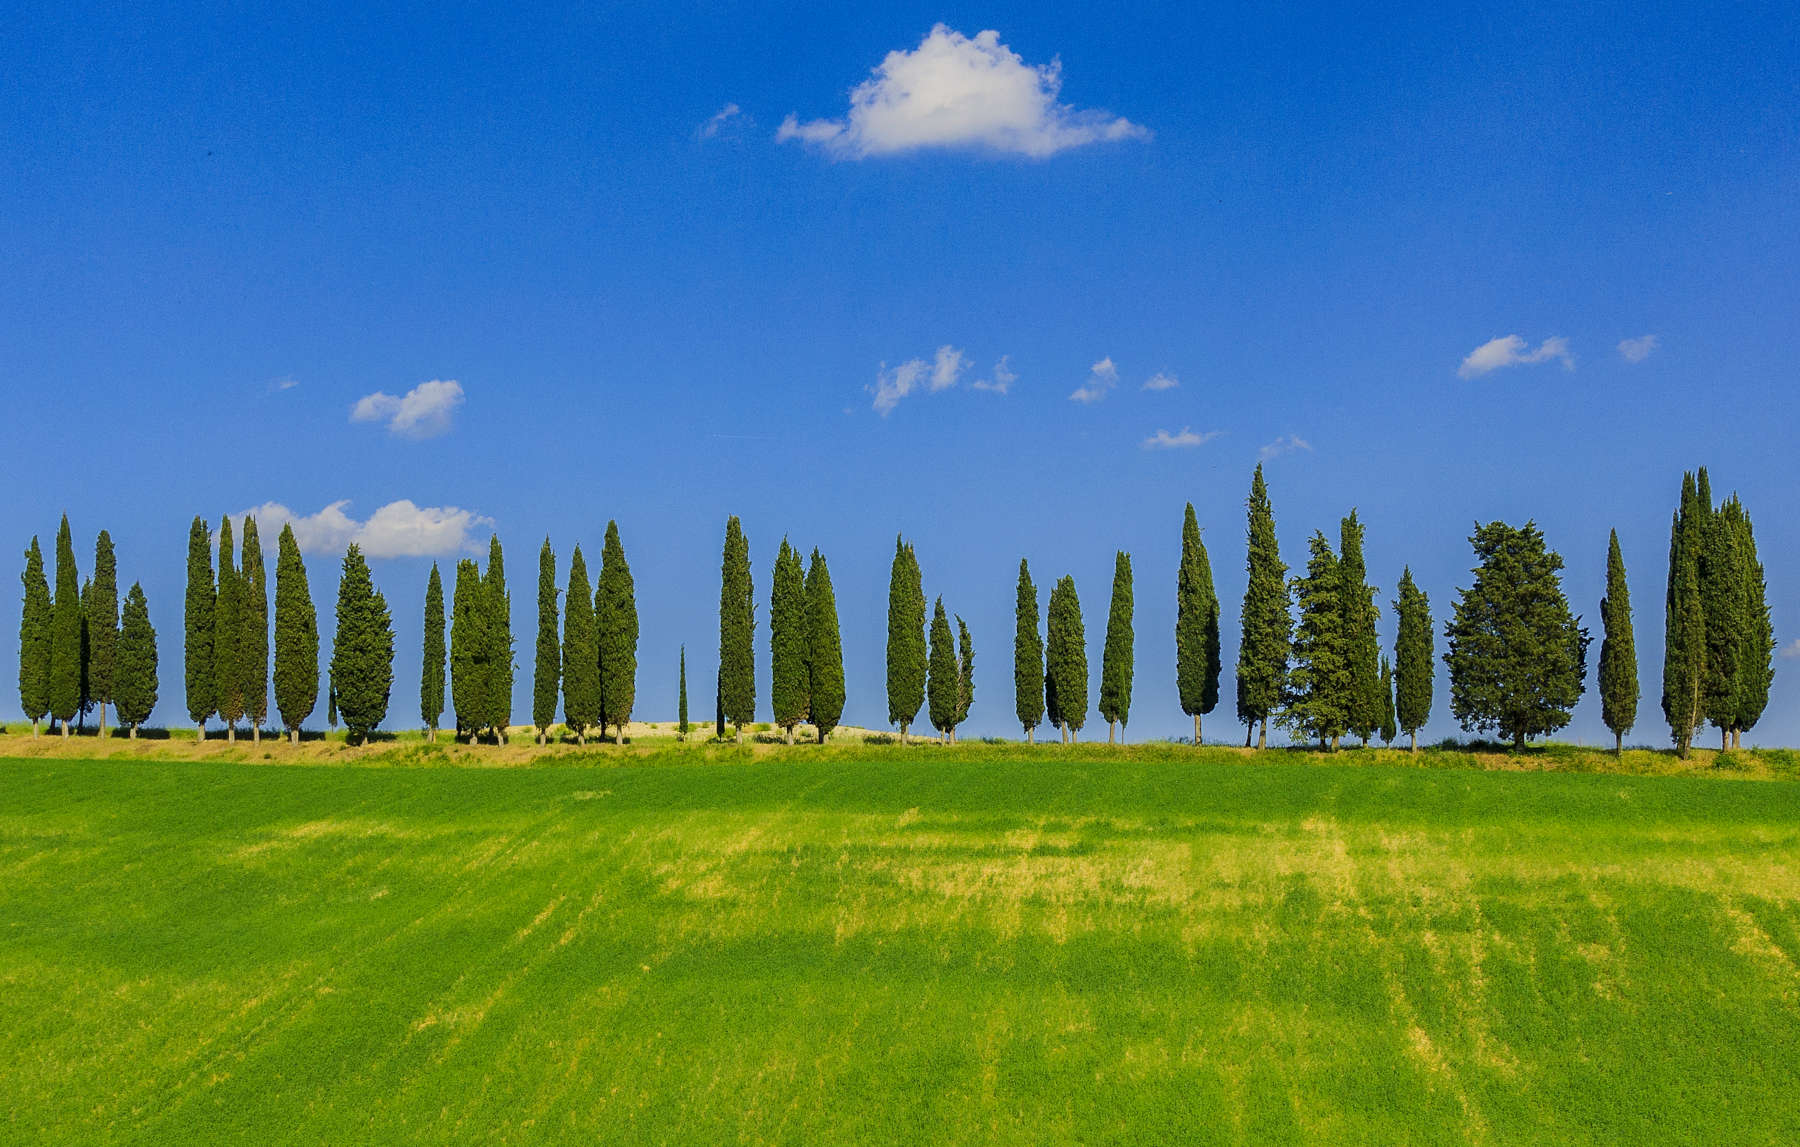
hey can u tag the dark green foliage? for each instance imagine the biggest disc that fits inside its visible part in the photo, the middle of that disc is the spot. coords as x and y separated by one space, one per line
87 701
1318 698
546 681
1362 649
34 639
1389 725
228 635
719 704
471 650
1755 663
1517 657
331 714
499 688
100 614
297 638
616 634
65 633
737 630
788 686
134 670
1413 667
362 655
1263 652
1066 695
198 673
1618 649
253 653
1684 632
432 654
1724 600
1116 658
580 655
945 682
825 653
681 709
906 637
1028 655
965 674
1196 626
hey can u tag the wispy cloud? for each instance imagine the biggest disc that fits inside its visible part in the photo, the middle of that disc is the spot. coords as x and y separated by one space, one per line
1286 444
1102 377
1182 439
719 121
1791 650
946 368
1637 349
277 385
1162 380
423 412
1510 350
956 92
916 375
397 530
1002 380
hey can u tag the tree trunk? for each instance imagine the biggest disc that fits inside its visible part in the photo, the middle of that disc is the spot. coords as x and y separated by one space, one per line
1196 730
1249 732
903 732
231 733
255 733
790 734
581 738
1262 737
740 734
1112 727
134 730
1724 739
1031 735
1063 726
1415 740
103 720
34 727
1618 744
1737 738
1518 742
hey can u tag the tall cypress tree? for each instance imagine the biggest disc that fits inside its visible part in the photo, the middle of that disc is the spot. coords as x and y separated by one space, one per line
681 711
297 638
1319 687
1116 658
65 633
34 639
102 617
1755 663
87 700
199 680
965 676
254 652
737 630
825 654
499 687
1618 651
616 634
1028 656
546 681
906 638
1413 665
944 683
1389 722
1267 626
788 686
471 650
580 655
362 656
134 680
1196 626
1684 640
228 636
431 656
1066 658
1362 649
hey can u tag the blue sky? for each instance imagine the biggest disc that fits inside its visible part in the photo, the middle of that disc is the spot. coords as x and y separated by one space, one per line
226 231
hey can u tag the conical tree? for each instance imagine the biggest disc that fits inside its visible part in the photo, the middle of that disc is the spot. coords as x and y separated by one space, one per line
498 624
825 655
432 653
1389 723
906 657
681 718
737 630
228 636
1618 651
1196 626
1755 664
331 714
1028 656
87 701
102 617
616 634
65 633
965 675
471 651
1267 626
580 654
1117 656
1684 635
1066 657
34 639
1413 665
254 652
546 681
788 686
1362 649
198 673
1318 699
297 638
134 680
944 682
362 656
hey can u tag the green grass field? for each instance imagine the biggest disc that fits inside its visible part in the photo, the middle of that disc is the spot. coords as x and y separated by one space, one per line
892 945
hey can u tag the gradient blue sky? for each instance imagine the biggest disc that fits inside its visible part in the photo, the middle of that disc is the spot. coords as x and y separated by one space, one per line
225 228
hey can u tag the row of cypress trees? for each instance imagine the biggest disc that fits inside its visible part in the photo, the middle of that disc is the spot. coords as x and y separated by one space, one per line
806 654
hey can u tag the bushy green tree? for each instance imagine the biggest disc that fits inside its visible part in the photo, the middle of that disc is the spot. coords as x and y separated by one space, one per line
737 630
825 659
1389 724
499 689
616 635
432 652
1066 695
254 652
471 650
906 657
1197 664
1618 650
1362 649
1517 656
1028 656
580 655
1116 657
297 638
134 681
1318 698
65 633
546 681
1267 626
362 655
228 635
788 686
965 676
199 675
944 682
34 639
1413 664
1684 633
101 616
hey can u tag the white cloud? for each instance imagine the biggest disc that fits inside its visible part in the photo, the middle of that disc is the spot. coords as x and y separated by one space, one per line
1102 377
1510 351
1791 650
1162 380
1002 380
718 121
956 92
947 368
1637 349
1163 440
397 530
893 385
280 384
422 412
1286 444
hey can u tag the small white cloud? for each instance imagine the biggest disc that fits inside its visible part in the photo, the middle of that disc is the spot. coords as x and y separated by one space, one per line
1002 380
276 385
1510 351
397 530
422 412
893 385
1637 349
1102 377
947 368
1162 380
718 121
956 92
1286 444
1791 650
1163 440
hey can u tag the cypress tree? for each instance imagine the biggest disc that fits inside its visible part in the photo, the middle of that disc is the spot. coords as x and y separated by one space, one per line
1517 656
228 636
1028 656
1389 724
906 638
825 658
65 633
1196 626
788 687
34 639
580 655
1412 659
681 719
199 681
134 681
546 681
87 699
1618 651
101 612
330 703
297 638
719 705
470 651
362 656
1755 663
944 684
1116 657
1066 656
431 656
498 623
737 631
1319 696
1684 634
1362 649
1263 652
965 677
254 652
616 633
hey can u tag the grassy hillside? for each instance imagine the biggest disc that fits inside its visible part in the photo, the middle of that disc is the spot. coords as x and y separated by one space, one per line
887 946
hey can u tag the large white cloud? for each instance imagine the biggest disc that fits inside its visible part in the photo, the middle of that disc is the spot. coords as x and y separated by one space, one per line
1003 379
1103 376
956 92
941 373
422 412
1510 350
397 530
